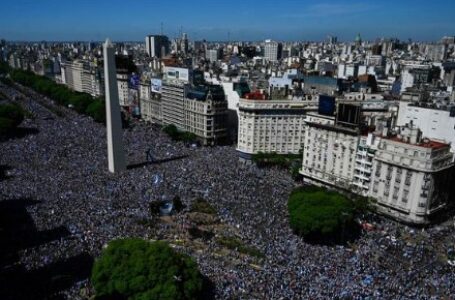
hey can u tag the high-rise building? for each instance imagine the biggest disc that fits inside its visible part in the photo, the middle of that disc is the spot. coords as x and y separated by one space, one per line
157 45
175 80
272 50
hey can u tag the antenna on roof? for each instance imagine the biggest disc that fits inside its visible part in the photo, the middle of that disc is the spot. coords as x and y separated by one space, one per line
161 28
229 36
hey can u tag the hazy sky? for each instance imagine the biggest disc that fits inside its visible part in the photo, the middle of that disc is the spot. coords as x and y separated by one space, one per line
213 19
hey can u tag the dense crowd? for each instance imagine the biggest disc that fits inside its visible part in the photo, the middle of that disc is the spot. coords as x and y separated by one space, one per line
64 166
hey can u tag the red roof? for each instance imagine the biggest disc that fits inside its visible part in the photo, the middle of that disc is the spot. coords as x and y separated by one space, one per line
427 144
255 96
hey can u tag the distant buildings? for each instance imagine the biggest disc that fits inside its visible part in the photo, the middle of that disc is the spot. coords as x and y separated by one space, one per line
415 75
213 55
272 50
157 45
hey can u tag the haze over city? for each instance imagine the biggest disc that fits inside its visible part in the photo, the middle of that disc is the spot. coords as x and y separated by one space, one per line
212 20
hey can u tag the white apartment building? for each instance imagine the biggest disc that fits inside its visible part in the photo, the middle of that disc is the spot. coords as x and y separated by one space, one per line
172 106
411 176
173 92
145 101
329 152
123 92
364 164
272 50
272 126
435 123
81 76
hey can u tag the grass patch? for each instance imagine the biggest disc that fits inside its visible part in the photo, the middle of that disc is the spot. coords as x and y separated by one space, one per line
202 206
237 244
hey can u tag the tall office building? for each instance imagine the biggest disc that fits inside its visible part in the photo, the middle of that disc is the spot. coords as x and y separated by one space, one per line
173 94
157 45
272 50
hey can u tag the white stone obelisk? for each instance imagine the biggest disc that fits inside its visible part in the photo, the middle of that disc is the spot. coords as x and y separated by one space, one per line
115 153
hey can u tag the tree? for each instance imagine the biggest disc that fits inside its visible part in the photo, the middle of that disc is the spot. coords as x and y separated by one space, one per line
138 269
97 110
316 213
11 116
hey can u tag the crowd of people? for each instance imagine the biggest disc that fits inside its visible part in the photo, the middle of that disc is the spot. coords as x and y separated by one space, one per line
64 166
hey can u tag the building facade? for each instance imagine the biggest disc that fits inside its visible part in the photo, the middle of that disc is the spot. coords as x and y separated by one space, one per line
435 123
411 176
272 126
83 76
272 50
329 152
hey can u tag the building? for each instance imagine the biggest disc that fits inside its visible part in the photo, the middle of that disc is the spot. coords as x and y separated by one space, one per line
123 91
411 176
145 100
415 75
206 116
331 146
435 122
321 85
271 126
173 93
83 76
437 52
213 55
157 45
272 50
191 105
234 91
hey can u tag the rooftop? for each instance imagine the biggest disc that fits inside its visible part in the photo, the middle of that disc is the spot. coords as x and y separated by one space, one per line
424 143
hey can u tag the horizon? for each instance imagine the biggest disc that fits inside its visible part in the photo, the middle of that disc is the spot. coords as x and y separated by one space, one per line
287 20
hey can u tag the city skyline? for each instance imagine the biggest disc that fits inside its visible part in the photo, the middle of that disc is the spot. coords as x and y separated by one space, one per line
287 20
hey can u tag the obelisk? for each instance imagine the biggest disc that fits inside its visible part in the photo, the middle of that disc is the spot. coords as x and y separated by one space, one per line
115 153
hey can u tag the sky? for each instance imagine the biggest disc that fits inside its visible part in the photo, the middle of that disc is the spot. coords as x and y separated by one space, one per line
284 20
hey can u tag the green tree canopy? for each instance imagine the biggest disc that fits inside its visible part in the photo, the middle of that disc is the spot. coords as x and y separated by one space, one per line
138 269
83 103
316 213
11 116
